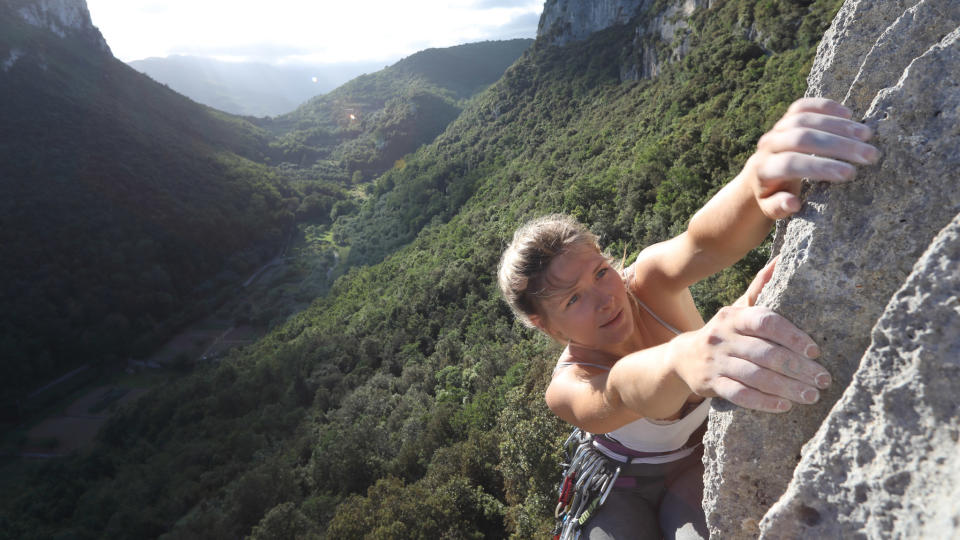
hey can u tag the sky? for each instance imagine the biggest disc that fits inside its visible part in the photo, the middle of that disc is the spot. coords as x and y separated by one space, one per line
298 31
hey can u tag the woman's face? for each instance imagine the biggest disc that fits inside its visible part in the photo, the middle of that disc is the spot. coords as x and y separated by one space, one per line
585 302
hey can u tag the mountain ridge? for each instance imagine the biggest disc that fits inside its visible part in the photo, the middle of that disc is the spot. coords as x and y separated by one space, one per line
249 88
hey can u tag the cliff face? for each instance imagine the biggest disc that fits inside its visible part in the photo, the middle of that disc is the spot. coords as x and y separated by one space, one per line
62 17
886 462
66 19
843 257
564 21
659 36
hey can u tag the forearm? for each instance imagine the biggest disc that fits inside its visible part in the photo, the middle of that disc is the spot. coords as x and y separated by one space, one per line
647 382
729 225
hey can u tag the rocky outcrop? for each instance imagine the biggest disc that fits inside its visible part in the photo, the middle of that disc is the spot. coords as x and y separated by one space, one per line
845 44
659 37
853 245
564 21
667 30
886 463
907 38
62 17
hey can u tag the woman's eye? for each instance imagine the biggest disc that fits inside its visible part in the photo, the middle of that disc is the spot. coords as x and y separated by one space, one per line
602 273
573 299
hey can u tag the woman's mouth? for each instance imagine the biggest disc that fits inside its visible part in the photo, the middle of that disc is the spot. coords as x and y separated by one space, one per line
616 318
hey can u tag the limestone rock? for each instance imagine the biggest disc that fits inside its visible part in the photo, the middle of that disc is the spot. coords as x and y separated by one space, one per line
907 38
62 17
886 462
851 34
845 253
564 21
669 26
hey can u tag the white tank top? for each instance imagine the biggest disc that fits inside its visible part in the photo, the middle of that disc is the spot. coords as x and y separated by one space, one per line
645 435
654 436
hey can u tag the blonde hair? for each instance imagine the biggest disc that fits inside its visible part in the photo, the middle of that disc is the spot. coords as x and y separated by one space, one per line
524 263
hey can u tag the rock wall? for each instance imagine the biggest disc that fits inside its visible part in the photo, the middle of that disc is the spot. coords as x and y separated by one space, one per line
886 463
669 26
852 246
564 21
62 17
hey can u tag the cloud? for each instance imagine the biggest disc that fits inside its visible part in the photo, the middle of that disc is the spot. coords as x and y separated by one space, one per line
292 30
269 53
155 8
491 4
521 26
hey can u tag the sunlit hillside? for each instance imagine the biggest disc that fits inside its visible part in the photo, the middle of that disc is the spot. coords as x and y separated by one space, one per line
369 123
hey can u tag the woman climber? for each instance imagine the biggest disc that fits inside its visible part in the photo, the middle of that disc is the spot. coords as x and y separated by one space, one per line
640 365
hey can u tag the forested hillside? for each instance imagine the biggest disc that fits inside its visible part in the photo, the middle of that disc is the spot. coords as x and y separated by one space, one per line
129 211
407 403
122 202
363 127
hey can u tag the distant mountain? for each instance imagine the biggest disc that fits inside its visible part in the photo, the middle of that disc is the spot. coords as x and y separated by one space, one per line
246 88
369 123
120 200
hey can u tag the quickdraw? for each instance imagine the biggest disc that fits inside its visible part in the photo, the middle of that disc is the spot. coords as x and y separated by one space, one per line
586 481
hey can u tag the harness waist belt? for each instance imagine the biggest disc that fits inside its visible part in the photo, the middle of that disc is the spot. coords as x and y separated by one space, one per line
642 457
624 454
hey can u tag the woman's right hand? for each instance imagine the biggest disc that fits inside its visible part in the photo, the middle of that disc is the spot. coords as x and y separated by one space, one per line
752 357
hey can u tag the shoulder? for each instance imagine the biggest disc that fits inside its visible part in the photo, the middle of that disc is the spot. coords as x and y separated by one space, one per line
652 284
652 270
580 370
576 386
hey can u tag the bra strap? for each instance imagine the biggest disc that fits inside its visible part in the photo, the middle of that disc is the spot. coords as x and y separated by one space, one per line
665 324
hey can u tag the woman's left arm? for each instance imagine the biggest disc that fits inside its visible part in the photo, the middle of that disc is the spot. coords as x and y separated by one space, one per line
815 139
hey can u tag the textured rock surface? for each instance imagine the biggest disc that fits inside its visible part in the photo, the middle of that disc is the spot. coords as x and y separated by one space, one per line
851 35
564 21
846 252
907 38
886 463
62 17
669 26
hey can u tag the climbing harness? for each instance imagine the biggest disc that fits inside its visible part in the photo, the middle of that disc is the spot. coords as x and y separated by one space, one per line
586 480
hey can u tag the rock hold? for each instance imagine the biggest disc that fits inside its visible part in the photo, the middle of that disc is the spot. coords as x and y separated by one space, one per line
886 462
853 32
907 38
845 253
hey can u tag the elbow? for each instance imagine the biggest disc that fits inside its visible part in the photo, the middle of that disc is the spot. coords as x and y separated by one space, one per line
566 412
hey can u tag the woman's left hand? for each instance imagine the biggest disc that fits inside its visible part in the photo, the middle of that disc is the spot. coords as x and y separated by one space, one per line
815 139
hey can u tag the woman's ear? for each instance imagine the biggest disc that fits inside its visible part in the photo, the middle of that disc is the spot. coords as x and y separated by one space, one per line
538 322
542 325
